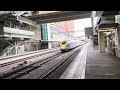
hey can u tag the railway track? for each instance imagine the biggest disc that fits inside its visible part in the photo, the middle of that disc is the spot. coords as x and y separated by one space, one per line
53 72
20 71
57 71
25 59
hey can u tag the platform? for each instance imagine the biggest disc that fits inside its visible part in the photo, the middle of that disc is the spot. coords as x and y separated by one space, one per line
91 64
101 65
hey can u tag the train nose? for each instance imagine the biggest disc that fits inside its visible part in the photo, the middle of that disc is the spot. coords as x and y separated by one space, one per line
62 46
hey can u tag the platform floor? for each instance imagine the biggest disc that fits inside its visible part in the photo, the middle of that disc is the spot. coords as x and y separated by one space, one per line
101 65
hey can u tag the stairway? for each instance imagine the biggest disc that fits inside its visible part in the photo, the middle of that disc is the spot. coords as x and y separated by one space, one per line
5 47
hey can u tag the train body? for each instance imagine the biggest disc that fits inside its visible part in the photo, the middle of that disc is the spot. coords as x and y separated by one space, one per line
71 44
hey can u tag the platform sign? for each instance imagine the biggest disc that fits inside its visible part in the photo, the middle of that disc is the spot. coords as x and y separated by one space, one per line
44 32
88 31
117 19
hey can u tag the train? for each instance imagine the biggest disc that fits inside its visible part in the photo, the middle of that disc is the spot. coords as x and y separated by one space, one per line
71 44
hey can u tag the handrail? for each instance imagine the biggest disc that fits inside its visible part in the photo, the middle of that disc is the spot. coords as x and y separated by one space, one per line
7 50
10 49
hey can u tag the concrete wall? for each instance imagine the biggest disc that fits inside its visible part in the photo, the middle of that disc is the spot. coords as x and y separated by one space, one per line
37 32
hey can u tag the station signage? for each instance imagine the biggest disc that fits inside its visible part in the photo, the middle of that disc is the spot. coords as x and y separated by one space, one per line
44 32
117 19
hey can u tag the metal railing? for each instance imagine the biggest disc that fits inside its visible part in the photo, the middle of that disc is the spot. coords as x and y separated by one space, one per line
7 50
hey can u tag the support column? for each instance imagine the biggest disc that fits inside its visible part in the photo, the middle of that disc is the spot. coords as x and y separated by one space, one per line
101 41
107 44
118 42
29 46
49 36
93 26
37 45
16 48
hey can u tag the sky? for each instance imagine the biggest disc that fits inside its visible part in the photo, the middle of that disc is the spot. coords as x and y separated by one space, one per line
80 24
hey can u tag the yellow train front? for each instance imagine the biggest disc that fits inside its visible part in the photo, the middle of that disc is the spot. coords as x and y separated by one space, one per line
64 46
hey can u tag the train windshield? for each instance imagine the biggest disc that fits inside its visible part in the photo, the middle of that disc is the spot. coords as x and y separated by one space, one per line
64 42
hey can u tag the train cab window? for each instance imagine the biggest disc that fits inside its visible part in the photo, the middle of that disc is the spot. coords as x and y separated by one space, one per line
64 42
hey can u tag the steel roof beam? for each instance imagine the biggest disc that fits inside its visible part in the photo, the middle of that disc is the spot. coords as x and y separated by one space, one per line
27 21
111 25
19 13
60 16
